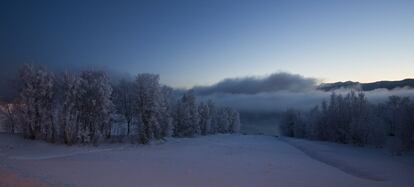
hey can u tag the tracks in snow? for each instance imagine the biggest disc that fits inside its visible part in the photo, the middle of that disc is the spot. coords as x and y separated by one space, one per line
336 163
62 155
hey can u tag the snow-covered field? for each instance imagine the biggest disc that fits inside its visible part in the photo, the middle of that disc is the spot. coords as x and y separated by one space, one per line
219 160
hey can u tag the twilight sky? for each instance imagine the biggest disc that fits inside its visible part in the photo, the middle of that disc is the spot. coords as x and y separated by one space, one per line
199 42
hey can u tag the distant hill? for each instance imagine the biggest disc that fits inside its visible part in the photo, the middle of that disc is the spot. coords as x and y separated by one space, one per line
367 86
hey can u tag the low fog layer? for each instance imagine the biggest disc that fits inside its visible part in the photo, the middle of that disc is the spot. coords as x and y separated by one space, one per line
256 85
280 91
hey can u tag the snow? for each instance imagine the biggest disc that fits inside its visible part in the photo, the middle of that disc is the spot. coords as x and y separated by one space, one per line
218 160
362 162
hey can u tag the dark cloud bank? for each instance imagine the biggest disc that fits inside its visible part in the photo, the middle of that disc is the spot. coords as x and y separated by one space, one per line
256 85
279 91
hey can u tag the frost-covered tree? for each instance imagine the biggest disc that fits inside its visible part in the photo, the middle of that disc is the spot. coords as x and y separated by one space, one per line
320 119
8 112
80 108
148 96
71 108
292 124
398 116
376 127
234 118
223 120
344 119
313 118
166 110
214 117
95 106
359 113
37 94
12 116
205 118
338 119
187 117
124 100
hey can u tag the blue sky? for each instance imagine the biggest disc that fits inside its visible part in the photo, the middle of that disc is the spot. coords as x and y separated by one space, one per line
201 42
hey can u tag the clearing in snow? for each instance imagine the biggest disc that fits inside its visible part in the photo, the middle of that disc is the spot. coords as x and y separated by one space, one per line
218 160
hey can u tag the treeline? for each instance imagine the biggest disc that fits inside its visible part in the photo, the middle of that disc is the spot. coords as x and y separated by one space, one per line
351 119
86 107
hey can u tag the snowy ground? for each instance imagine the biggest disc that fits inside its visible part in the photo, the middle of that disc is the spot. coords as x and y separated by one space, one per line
219 160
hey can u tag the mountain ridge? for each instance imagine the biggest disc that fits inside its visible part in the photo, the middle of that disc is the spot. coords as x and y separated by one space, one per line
389 85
